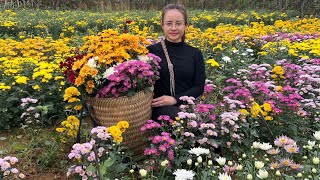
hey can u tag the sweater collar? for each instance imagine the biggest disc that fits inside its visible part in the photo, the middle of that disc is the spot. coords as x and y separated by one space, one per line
168 43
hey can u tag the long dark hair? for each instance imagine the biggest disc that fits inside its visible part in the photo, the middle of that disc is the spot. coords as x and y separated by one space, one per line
181 9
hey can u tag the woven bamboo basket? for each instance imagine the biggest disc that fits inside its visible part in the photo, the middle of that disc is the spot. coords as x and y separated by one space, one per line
135 109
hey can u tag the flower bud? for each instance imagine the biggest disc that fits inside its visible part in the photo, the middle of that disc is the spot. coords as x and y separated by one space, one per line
278 173
315 160
209 162
314 170
164 163
249 176
239 167
143 172
305 157
299 175
189 162
199 159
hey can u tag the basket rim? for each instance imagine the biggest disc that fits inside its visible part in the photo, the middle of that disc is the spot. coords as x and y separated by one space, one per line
120 97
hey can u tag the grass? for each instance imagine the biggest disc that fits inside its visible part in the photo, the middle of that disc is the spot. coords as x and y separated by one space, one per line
41 154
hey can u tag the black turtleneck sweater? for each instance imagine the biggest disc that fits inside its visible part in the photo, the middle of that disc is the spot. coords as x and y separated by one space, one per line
188 66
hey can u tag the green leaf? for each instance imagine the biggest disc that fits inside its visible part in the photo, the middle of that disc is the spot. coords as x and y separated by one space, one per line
91 168
109 162
9 99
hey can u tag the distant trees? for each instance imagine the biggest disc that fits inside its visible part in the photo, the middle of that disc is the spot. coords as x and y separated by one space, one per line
302 6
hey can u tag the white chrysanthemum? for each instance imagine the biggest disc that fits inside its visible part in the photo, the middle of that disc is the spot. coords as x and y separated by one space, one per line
265 146
182 174
144 58
226 59
249 50
221 161
311 143
258 164
108 72
316 135
256 145
92 63
224 176
198 151
262 174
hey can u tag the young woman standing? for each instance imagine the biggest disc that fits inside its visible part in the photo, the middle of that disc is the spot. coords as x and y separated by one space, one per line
182 70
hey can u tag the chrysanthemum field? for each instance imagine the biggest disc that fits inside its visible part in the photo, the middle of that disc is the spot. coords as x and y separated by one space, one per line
259 117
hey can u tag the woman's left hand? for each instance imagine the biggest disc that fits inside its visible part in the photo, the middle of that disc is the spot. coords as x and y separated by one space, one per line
163 101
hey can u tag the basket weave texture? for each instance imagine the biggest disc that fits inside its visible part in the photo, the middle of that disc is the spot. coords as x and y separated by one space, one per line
135 109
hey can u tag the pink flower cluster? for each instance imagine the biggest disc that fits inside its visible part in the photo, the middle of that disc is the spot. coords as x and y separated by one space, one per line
81 170
188 99
78 150
31 113
6 165
131 76
163 144
293 37
256 83
26 101
184 115
150 125
100 132
204 108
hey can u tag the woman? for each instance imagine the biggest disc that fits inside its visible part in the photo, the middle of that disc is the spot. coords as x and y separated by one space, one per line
187 77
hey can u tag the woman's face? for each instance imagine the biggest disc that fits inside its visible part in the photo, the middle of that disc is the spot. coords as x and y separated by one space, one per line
173 25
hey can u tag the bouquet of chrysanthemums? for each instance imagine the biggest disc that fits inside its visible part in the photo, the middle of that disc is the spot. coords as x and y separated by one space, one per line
112 65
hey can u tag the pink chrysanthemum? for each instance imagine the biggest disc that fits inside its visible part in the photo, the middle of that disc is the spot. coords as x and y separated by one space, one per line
275 165
283 140
296 166
286 162
273 151
292 149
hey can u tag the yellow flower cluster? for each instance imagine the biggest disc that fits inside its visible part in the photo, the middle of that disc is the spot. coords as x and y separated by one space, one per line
223 34
265 110
116 131
71 95
307 49
108 48
69 127
4 87
213 63
21 79
278 73
42 54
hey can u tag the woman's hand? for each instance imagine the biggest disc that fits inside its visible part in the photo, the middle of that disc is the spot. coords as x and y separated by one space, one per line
163 101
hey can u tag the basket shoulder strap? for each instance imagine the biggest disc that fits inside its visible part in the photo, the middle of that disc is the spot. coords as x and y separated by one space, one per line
170 67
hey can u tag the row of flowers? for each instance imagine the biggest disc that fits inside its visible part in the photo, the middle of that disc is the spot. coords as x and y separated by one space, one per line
24 23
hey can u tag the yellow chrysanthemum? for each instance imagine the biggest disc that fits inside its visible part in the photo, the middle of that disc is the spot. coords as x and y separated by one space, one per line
267 107
213 63
255 110
60 130
278 70
22 79
244 111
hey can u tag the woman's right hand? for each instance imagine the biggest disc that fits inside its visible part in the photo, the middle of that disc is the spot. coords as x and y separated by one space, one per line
163 101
